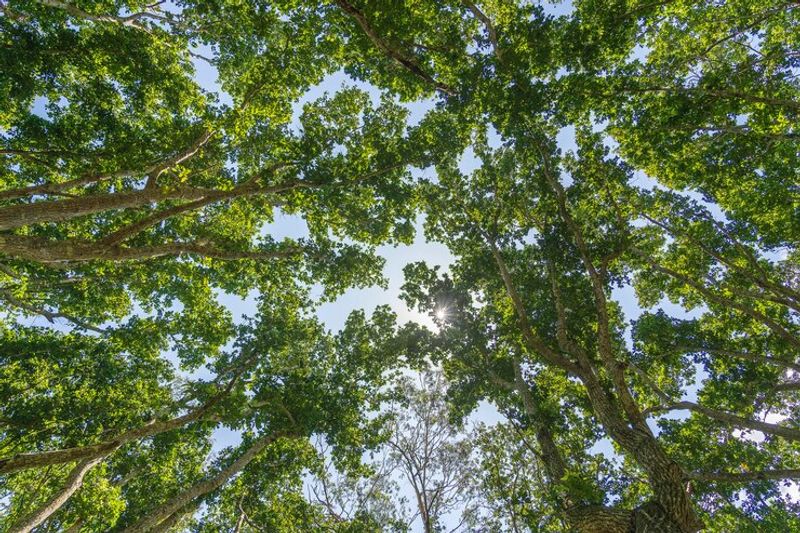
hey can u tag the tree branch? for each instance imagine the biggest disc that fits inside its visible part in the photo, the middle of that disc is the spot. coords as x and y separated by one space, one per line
406 62
49 315
746 477
71 485
487 23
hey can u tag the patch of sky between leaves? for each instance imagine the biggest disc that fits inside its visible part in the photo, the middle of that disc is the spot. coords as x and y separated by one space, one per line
558 8
288 226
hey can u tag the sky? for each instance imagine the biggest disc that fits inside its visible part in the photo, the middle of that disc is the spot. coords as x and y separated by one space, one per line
333 314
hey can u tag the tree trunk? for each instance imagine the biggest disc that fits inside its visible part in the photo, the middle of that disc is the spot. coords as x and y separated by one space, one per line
665 475
73 483
25 461
158 515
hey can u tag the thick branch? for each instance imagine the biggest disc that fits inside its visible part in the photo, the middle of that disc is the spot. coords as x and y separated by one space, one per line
605 344
153 172
44 251
536 343
60 188
246 188
716 414
16 216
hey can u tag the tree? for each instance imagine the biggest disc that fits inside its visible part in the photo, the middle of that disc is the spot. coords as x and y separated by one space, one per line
543 274
637 291
134 190
275 389
425 448
512 484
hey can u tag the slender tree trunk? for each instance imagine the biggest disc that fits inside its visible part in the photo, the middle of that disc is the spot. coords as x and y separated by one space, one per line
158 515
25 461
72 484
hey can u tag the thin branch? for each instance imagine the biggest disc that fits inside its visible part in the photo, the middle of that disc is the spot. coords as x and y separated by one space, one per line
51 316
132 21
732 419
155 171
717 298
746 477
487 23
406 62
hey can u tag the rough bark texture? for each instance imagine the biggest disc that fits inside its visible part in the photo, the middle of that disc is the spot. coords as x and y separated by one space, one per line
667 478
76 251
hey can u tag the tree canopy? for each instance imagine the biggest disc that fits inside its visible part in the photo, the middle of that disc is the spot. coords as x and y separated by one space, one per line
617 182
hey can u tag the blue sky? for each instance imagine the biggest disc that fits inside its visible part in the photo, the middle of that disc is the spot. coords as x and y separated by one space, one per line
333 314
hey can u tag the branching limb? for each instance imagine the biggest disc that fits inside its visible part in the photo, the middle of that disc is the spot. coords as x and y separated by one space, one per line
405 61
51 316
487 23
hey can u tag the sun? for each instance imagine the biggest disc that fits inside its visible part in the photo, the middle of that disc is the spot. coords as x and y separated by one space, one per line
441 313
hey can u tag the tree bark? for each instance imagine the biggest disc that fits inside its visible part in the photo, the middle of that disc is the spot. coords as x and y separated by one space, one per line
665 475
76 251
16 216
158 515
25 461
72 484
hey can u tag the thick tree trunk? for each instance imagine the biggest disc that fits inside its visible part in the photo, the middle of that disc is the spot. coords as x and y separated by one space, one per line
666 476
587 518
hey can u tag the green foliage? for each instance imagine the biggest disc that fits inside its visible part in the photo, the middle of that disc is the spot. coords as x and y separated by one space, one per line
628 302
